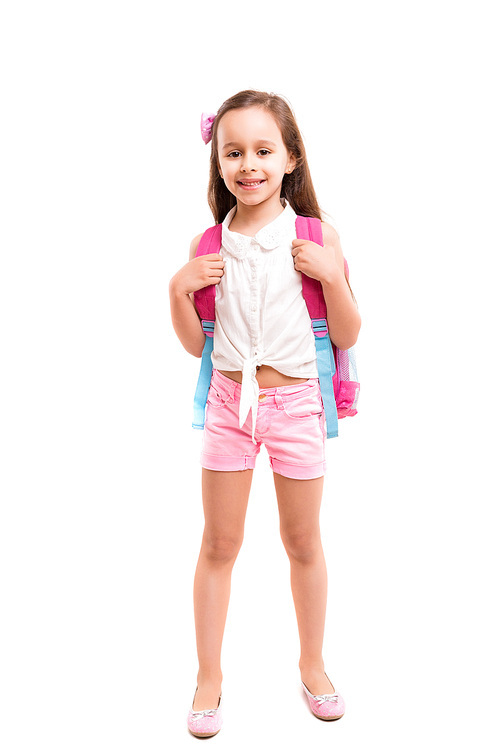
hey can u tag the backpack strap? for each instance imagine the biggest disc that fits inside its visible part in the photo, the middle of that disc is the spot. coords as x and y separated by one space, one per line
308 228
204 300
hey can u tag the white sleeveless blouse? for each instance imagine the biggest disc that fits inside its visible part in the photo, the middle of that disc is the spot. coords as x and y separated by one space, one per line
260 314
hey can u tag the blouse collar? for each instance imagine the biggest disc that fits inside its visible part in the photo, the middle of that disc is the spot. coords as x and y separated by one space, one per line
269 237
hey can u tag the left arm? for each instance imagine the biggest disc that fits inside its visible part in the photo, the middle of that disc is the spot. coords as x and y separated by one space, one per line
326 264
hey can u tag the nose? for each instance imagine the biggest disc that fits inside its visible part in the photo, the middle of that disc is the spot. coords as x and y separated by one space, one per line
247 166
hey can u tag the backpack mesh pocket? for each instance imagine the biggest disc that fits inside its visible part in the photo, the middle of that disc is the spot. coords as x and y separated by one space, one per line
347 390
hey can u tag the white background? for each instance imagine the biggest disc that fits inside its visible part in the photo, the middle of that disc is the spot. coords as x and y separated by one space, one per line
103 181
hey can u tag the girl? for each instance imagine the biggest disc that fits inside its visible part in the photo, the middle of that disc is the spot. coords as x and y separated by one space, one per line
264 385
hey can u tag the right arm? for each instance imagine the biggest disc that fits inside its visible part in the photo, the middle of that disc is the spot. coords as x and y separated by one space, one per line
196 274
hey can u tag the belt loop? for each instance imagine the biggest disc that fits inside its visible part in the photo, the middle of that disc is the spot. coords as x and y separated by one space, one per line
279 399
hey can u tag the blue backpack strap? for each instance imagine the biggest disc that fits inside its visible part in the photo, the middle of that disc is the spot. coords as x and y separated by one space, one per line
308 228
204 300
205 376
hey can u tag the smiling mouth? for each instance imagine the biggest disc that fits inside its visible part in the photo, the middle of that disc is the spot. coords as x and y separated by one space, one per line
250 184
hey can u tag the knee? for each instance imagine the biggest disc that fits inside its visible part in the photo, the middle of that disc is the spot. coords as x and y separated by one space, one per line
220 548
302 546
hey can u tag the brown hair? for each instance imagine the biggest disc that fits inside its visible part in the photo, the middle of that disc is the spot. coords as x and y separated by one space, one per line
297 187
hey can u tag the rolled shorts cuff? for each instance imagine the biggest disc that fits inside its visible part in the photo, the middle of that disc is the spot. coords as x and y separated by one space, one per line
227 463
295 471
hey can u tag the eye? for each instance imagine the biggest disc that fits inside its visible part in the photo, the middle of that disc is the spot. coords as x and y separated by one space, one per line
263 152
234 154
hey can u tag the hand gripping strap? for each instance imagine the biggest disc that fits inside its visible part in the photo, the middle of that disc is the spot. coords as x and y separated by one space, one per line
204 300
308 228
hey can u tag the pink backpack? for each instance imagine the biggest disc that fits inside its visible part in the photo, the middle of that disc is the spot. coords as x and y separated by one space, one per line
336 367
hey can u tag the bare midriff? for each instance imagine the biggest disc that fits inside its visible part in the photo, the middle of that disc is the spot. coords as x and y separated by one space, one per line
267 377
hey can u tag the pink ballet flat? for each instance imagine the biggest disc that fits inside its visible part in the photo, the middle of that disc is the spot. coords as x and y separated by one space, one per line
328 707
205 723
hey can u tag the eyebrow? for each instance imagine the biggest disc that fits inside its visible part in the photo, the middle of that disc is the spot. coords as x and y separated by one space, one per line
233 144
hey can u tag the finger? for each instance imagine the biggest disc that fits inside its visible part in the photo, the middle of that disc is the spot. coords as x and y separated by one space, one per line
216 277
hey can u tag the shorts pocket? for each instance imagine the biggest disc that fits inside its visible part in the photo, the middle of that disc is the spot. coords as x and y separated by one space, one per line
218 397
304 404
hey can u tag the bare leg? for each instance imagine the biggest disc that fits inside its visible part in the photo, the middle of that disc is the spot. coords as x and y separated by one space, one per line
225 500
299 504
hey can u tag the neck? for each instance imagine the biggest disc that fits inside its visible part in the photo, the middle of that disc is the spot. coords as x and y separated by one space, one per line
249 219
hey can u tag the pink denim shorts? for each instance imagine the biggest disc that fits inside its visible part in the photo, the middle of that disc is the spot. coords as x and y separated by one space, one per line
290 423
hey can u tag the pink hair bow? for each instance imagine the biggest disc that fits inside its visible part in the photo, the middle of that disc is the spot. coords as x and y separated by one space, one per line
207 120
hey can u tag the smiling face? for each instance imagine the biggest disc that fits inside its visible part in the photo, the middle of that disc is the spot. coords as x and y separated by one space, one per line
252 156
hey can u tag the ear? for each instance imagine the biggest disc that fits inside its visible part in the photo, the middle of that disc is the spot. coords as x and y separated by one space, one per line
291 164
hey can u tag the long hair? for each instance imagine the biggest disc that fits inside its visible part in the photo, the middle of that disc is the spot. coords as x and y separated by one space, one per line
297 187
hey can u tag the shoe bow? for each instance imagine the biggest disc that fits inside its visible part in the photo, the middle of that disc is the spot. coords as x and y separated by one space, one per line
197 715
331 698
